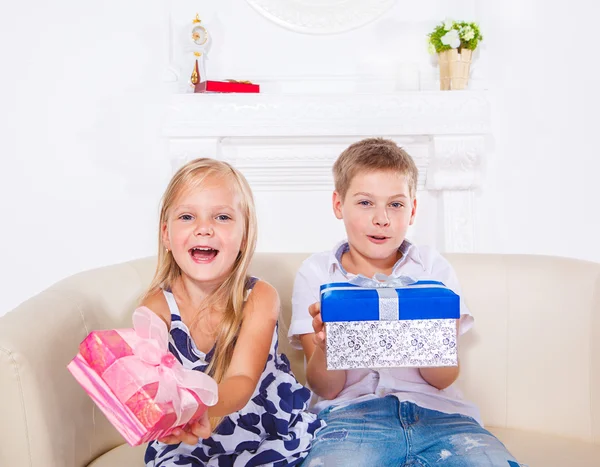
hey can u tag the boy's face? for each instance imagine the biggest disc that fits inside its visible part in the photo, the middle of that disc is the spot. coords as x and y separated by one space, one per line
376 211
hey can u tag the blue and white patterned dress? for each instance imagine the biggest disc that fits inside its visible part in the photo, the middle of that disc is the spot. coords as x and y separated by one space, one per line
273 429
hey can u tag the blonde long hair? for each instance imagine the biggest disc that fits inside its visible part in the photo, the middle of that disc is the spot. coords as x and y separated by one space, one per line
232 291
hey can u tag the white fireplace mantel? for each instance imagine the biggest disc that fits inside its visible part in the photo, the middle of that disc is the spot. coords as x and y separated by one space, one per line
401 113
288 141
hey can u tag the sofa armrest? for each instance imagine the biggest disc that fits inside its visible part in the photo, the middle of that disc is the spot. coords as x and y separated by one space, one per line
48 420
595 364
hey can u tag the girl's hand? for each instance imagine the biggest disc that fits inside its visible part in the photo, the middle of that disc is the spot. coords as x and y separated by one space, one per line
190 433
318 326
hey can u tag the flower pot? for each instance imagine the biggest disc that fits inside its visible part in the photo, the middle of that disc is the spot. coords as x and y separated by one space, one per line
454 68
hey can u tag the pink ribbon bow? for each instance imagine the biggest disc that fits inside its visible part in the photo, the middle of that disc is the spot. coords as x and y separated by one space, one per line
152 362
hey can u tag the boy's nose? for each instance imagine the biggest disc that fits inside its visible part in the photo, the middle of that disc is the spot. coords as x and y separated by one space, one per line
381 219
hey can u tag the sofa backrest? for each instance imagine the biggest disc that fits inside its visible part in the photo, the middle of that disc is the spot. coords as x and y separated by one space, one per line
532 360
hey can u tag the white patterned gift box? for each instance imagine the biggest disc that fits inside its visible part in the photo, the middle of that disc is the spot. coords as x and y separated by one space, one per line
388 322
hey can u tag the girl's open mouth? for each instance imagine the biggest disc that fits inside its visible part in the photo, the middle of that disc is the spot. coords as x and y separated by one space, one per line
203 254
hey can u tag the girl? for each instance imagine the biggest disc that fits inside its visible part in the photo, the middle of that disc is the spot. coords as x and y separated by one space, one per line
224 322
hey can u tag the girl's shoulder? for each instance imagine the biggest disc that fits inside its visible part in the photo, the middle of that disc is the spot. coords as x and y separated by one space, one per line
158 304
263 296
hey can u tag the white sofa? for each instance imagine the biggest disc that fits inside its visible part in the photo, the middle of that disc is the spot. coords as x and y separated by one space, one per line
532 362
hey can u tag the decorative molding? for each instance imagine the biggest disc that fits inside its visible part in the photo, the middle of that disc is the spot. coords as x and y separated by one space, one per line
286 164
322 16
457 163
459 223
405 113
291 168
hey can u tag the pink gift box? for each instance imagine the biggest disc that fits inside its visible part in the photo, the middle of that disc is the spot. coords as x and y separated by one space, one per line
137 383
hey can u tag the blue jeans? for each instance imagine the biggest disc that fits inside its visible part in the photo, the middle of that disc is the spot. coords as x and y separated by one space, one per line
385 432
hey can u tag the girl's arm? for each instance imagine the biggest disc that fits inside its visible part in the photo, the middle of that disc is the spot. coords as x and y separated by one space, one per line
325 383
251 351
247 363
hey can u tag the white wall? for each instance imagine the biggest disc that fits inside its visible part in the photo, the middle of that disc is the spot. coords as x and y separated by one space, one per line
82 161
542 182
83 164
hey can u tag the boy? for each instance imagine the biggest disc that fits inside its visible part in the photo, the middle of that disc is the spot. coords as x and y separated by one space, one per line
393 416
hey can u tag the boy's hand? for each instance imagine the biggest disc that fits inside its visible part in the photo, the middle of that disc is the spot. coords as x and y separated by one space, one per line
317 324
190 433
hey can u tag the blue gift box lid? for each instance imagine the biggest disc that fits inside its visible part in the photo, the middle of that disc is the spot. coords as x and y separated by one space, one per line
341 301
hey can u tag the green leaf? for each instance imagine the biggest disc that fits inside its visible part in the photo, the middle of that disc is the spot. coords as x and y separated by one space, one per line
435 37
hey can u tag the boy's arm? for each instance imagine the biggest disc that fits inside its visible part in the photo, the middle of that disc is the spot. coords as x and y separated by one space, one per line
442 377
325 383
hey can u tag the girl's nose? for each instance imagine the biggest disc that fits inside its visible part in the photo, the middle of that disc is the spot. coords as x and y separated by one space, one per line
204 230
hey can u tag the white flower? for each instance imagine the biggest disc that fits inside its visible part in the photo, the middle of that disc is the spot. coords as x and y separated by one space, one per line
431 48
467 33
448 23
451 38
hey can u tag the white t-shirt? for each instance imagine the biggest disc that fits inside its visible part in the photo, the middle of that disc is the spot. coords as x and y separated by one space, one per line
420 263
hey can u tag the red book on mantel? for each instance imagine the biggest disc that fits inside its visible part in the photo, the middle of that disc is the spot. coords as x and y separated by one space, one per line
226 86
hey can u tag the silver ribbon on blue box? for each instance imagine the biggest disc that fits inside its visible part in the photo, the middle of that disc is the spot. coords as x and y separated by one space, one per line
387 298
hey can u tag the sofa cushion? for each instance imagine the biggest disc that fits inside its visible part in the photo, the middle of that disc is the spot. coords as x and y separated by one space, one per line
122 456
539 450
531 449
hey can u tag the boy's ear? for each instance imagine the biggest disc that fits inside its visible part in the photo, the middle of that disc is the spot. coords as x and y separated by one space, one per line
165 236
413 211
337 202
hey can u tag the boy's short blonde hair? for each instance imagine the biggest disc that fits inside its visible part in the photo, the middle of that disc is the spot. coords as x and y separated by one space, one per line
373 154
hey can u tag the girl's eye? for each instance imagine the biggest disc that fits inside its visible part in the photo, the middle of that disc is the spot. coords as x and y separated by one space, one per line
396 205
364 202
223 217
186 217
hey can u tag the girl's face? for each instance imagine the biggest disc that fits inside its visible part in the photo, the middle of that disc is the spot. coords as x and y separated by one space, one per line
205 231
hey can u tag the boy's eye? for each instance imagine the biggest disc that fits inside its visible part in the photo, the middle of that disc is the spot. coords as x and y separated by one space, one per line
223 217
396 205
186 217
364 202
